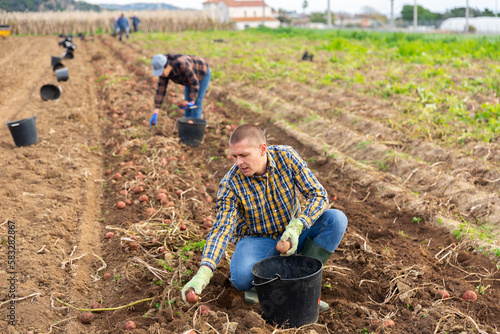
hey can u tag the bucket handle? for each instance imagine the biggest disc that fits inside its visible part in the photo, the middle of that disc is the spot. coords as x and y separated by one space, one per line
276 276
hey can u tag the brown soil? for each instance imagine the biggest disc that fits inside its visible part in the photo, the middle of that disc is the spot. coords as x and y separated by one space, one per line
61 194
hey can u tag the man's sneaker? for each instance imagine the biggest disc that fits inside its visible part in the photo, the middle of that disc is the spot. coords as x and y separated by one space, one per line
251 297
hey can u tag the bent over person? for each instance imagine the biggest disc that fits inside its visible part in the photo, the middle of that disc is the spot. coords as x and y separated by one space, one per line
190 71
257 206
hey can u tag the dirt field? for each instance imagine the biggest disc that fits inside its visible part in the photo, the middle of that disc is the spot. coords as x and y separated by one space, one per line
59 200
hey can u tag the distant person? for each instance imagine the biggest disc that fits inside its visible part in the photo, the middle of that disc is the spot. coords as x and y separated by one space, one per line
136 22
114 26
122 26
190 71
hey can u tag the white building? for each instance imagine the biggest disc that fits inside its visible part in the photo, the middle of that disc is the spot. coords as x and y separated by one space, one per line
245 14
482 25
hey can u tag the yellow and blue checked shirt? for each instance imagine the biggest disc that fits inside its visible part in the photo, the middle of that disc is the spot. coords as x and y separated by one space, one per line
264 205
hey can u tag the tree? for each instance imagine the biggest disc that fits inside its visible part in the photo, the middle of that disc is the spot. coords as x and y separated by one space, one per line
422 14
460 12
320 17
305 4
487 12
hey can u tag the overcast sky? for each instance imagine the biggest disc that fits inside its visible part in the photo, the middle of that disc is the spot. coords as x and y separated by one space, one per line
350 6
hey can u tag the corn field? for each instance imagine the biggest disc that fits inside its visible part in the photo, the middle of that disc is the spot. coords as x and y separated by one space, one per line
48 23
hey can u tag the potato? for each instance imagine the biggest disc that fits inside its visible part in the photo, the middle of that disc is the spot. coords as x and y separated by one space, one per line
191 296
469 295
443 294
134 246
121 205
87 317
109 235
204 309
283 246
190 122
129 325
117 176
96 305
106 276
143 198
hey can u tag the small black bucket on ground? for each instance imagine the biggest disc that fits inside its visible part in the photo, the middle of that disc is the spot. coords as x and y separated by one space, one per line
50 92
55 60
24 131
289 289
62 74
68 54
191 130
57 66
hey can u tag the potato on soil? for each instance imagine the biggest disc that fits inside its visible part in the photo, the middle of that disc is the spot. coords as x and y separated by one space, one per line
191 296
87 317
134 246
150 211
469 295
117 176
129 325
138 190
204 309
121 205
283 246
183 227
143 198
443 294
109 235
96 305
106 276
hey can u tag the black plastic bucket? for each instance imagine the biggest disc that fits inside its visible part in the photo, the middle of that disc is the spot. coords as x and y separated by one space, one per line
24 131
62 74
57 66
55 60
289 289
191 130
68 54
50 92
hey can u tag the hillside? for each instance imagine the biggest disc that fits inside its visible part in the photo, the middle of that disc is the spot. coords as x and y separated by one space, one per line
138 6
46 5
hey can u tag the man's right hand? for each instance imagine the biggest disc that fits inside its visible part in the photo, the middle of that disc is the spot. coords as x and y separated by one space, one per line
154 118
198 282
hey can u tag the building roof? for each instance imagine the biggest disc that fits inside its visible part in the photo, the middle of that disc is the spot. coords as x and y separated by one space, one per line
252 19
234 3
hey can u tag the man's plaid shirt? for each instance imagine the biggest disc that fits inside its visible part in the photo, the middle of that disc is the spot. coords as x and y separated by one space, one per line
186 71
264 205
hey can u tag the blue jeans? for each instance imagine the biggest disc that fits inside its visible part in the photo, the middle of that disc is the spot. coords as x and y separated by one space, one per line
196 112
326 232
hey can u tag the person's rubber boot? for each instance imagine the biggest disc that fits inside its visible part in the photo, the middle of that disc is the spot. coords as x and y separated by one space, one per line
251 297
314 250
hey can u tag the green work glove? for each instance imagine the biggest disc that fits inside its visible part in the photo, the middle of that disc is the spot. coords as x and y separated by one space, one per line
198 282
292 233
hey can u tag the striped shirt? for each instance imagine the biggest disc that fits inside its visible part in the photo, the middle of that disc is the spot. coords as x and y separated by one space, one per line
187 71
264 205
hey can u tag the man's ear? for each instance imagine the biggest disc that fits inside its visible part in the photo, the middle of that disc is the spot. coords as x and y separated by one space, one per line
263 149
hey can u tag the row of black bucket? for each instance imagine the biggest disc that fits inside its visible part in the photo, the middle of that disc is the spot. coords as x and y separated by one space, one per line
24 131
51 91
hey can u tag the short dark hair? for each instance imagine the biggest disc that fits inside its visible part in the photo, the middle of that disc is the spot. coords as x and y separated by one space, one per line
248 131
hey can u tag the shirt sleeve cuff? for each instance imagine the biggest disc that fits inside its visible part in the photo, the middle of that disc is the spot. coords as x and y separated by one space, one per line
209 263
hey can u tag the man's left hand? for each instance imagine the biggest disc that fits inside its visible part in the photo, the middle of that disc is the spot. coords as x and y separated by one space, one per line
292 233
